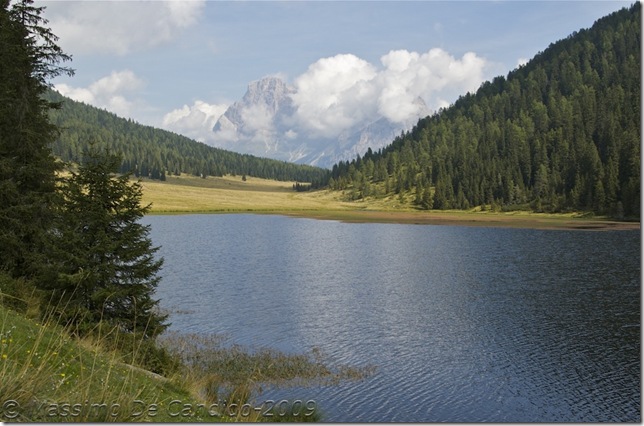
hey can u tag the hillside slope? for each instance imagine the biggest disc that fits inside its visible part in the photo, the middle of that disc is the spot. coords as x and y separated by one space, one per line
561 133
151 152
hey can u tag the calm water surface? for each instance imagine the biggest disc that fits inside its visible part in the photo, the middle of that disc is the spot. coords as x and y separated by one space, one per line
463 324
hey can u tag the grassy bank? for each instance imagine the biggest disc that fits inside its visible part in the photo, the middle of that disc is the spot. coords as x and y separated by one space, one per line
230 194
48 376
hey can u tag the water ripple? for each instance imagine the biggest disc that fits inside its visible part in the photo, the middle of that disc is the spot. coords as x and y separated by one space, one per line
463 324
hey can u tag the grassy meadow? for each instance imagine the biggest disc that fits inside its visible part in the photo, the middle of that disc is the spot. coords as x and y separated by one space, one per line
189 194
231 194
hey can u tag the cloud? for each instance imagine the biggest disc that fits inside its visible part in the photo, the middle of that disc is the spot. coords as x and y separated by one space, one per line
108 92
256 117
334 94
430 76
337 93
99 27
194 121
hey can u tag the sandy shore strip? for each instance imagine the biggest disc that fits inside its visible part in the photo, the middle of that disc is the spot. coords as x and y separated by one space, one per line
511 220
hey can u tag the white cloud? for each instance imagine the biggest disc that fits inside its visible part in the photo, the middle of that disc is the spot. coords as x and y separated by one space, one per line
522 61
337 93
194 121
256 117
100 27
108 92
334 93
430 76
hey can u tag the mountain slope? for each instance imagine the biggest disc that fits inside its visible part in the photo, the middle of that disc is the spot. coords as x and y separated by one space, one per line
264 122
560 133
152 152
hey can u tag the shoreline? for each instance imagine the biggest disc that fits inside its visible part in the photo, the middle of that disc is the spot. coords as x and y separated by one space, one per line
451 218
493 220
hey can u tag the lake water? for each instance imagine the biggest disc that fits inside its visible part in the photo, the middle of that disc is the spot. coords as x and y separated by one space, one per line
463 324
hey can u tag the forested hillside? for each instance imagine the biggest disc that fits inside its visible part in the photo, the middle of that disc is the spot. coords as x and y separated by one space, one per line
558 134
152 152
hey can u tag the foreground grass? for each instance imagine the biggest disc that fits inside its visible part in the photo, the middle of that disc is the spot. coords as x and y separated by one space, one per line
230 194
47 376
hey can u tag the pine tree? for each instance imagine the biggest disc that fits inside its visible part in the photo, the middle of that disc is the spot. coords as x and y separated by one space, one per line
108 269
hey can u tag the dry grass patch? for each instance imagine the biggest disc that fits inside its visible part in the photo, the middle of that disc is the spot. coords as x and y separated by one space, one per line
187 194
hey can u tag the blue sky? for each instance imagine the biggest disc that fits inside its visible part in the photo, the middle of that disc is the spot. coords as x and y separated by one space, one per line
178 65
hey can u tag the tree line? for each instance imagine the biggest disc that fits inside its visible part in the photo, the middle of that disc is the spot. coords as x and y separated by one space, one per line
560 133
154 153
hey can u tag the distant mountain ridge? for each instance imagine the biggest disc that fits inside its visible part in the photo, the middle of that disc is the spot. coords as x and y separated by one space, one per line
262 123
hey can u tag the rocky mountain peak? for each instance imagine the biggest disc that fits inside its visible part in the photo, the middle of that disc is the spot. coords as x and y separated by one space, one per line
270 91
262 123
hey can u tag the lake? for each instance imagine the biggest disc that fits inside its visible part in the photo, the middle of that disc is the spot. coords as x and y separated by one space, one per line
463 324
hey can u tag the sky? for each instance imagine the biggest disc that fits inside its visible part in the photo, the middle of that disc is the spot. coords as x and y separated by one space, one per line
179 64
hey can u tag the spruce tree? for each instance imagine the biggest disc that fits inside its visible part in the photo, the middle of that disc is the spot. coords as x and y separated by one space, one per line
108 269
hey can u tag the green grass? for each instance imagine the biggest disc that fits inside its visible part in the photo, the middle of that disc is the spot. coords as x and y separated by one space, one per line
47 376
